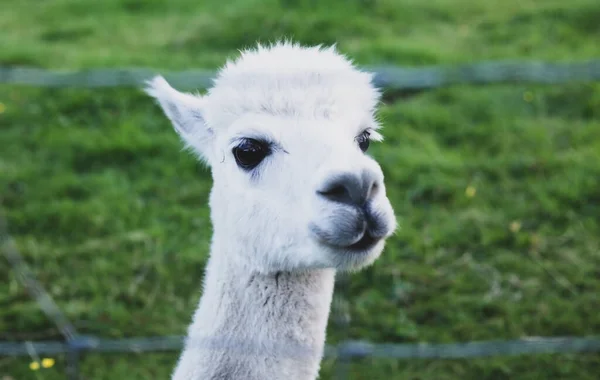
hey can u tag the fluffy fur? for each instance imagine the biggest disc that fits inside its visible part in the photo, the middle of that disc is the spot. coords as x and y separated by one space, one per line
277 241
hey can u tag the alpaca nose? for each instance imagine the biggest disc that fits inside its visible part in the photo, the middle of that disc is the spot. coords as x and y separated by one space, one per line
350 188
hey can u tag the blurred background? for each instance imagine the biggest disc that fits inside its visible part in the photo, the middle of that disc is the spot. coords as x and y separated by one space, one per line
496 186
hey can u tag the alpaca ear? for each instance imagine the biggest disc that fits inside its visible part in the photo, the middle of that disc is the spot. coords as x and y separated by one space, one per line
186 112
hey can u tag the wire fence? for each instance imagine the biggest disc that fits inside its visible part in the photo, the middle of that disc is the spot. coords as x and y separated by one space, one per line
396 78
402 78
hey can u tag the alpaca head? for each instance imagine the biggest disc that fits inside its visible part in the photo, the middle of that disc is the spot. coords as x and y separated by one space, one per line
285 130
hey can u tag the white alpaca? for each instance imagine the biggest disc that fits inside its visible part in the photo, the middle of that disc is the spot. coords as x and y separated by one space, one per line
294 198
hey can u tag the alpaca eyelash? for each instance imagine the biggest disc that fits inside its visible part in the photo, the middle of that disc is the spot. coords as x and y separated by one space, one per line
266 140
369 132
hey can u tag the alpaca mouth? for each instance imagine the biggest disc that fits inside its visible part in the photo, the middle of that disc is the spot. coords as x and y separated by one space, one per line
365 243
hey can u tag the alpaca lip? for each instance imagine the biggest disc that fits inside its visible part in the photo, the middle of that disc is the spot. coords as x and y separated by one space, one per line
365 243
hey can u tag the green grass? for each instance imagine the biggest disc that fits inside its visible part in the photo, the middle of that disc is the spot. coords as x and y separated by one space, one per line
112 216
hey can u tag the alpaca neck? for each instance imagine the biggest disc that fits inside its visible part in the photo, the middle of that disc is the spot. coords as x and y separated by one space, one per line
257 326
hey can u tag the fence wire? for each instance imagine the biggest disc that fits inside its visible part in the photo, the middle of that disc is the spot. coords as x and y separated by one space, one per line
43 299
405 78
346 349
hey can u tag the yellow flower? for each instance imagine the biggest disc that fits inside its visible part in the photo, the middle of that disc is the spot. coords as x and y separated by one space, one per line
470 191
528 96
515 226
34 366
47 362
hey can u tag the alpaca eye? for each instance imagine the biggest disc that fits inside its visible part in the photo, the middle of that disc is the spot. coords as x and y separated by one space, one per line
249 153
363 141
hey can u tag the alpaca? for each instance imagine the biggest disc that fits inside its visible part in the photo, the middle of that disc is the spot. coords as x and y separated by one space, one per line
295 198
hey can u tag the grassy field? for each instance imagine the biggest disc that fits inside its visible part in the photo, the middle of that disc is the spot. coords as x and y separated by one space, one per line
497 188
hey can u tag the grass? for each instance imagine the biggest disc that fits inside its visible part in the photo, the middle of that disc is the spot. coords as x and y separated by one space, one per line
497 188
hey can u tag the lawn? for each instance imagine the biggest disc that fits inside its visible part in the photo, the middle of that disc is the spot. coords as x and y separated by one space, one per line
496 188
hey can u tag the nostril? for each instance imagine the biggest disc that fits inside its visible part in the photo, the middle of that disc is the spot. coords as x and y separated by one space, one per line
350 188
337 193
345 188
373 191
